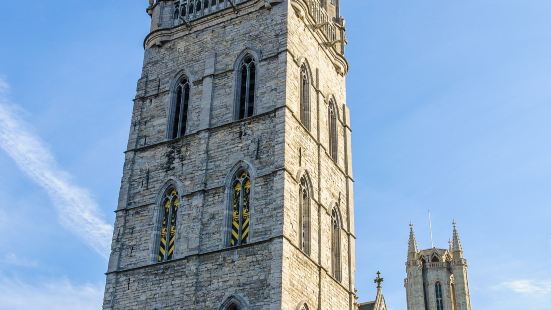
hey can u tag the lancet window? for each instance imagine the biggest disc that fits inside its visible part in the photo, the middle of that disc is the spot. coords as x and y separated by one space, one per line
305 97
439 300
180 109
169 211
336 244
240 209
304 196
246 87
333 142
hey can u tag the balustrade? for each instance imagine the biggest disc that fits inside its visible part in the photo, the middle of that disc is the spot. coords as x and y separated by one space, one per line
188 10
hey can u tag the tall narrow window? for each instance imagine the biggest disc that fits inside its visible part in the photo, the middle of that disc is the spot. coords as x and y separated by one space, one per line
170 205
305 97
246 87
336 244
439 300
180 107
240 207
304 215
333 143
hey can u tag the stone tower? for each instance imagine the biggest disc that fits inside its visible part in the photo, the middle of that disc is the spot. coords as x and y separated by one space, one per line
437 278
237 185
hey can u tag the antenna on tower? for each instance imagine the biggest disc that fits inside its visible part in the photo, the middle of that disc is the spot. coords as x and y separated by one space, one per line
430 226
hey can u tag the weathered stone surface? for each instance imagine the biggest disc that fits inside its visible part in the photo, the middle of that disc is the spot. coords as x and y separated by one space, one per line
271 272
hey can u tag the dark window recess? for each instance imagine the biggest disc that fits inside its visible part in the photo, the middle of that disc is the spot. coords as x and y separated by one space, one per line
180 110
247 85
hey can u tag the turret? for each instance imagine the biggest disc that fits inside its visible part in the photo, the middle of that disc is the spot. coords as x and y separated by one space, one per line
412 245
437 277
457 249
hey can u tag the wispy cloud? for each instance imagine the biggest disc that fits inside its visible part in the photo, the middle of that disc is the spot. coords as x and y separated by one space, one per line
13 259
76 208
528 287
58 294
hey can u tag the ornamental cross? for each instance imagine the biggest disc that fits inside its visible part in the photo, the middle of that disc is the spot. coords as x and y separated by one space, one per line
379 280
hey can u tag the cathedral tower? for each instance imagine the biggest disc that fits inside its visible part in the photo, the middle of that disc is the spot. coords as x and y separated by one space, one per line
237 184
437 278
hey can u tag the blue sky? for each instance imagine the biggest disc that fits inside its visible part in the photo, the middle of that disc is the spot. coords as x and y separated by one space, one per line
451 110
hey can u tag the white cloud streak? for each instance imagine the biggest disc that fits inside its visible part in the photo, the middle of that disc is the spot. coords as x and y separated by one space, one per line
13 259
59 294
77 210
529 287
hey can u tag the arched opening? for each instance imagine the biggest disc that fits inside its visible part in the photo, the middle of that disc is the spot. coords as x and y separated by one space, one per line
304 214
336 244
333 142
180 109
246 87
169 212
305 97
439 299
240 208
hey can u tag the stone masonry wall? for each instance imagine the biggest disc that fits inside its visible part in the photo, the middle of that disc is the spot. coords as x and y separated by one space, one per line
271 272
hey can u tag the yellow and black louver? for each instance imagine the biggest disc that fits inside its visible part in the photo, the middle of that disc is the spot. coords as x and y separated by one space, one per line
240 222
168 226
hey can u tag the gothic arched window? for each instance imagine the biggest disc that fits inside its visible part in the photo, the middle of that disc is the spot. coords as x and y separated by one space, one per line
304 307
180 107
439 300
240 209
234 307
169 213
336 244
333 142
304 207
305 97
246 87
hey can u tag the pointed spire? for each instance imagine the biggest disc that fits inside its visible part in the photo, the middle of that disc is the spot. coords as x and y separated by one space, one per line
457 249
412 245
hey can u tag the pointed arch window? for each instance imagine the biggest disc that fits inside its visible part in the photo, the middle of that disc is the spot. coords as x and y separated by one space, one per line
333 142
304 307
304 220
336 244
234 307
439 300
180 109
169 212
246 87
240 209
305 97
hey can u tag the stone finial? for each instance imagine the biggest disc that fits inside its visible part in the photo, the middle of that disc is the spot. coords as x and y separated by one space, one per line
412 245
457 249
379 281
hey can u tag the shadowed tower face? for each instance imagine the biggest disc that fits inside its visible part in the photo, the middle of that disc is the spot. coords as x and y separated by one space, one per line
237 184
437 278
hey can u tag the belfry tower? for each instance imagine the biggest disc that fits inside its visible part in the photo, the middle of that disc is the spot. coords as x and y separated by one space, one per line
437 278
237 185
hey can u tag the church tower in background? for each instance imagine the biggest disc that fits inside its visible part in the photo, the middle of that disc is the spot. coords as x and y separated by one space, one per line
437 278
237 188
